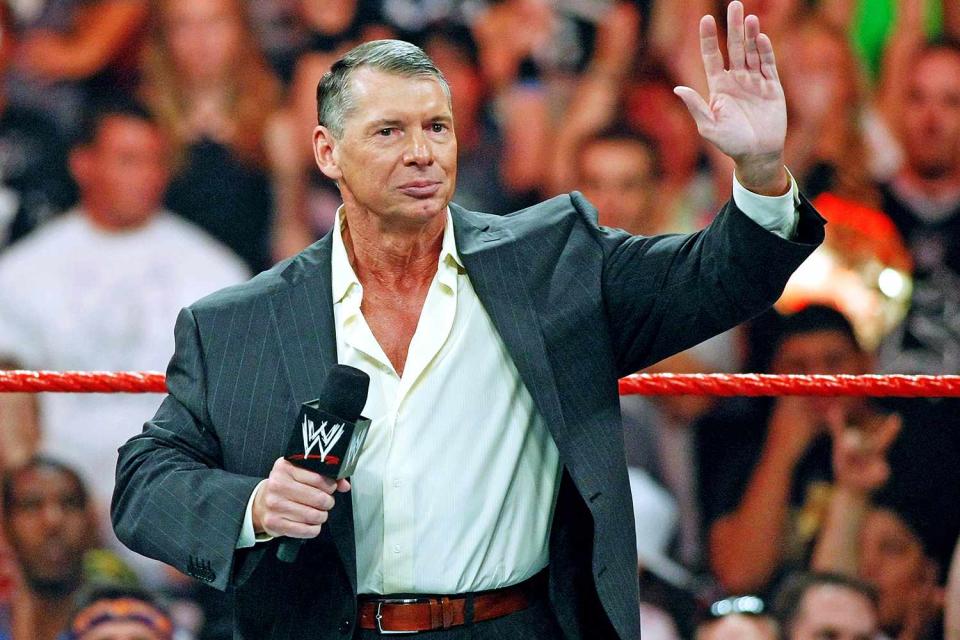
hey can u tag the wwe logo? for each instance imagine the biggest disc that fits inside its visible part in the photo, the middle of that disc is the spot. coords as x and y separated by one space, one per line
320 438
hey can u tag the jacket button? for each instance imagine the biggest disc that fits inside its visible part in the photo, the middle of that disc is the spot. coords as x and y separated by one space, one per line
345 626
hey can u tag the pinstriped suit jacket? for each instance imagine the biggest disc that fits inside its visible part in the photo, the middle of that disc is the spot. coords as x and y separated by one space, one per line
577 306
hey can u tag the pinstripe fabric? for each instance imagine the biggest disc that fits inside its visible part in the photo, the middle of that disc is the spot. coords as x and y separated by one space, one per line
576 305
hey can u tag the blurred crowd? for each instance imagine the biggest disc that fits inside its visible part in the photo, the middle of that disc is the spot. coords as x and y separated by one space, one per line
153 151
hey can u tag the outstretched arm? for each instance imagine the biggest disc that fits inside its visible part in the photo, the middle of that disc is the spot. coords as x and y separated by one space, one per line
745 114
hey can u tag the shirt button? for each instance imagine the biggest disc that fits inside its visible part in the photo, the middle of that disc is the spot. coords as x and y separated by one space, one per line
345 626
396 482
396 548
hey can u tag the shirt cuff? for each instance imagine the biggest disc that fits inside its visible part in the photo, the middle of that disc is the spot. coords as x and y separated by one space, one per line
247 536
777 214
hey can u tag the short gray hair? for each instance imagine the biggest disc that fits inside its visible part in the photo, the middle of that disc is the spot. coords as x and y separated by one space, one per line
334 99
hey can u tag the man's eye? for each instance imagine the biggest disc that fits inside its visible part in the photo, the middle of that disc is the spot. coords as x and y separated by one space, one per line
385 132
438 127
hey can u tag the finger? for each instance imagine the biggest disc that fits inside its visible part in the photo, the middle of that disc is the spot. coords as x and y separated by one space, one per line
735 36
752 30
343 485
696 105
294 529
710 50
768 62
888 432
837 422
294 512
313 479
300 493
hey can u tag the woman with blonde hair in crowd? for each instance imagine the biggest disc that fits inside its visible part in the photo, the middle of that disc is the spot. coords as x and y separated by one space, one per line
826 102
214 95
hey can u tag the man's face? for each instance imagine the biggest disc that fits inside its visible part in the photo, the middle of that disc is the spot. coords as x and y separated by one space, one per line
49 528
617 177
397 157
123 173
821 352
204 37
893 561
931 115
834 612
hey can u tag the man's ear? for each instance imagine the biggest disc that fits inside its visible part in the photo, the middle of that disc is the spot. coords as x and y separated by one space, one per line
324 152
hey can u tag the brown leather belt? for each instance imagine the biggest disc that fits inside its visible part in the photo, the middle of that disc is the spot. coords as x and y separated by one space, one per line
428 613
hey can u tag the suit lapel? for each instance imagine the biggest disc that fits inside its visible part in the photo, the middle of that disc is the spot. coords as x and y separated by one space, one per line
493 261
306 330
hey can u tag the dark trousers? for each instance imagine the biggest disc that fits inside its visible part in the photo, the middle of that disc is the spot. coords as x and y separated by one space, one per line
536 622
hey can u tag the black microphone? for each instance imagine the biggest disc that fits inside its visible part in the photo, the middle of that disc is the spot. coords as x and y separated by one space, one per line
329 433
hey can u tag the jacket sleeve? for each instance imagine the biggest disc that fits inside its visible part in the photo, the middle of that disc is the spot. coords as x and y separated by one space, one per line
172 500
664 294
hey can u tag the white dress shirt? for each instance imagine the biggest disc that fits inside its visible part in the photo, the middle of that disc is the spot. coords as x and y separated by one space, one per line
455 487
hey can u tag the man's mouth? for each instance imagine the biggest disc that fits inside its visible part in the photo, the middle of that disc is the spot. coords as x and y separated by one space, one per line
420 188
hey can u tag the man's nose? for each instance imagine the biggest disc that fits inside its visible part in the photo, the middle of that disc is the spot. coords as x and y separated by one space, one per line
419 151
53 513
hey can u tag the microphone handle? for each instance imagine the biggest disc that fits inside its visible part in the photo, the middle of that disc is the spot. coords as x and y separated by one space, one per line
288 550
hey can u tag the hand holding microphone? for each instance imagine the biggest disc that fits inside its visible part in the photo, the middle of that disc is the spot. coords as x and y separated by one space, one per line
294 502
297 497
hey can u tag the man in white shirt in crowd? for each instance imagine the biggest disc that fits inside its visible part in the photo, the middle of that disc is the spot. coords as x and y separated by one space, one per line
98 288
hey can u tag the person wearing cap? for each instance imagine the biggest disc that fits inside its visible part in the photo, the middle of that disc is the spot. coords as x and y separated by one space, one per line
120 613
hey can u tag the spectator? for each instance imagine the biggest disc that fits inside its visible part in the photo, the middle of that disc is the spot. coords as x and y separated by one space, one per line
482 183
531 53
900 542
99 287
617 170
306 201
765 466
34 183
50 525
689 186
213 94
737 618
923 200
118 613
826 150
817 606
67 52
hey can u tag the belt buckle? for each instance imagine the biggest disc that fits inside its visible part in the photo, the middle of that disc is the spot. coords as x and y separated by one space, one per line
379 616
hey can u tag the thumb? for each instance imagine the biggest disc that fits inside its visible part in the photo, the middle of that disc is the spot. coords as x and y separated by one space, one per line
696 105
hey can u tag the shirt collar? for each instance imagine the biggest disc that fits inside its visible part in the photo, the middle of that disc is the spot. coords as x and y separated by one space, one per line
343 277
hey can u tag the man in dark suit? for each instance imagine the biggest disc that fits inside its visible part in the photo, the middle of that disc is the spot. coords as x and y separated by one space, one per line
491 498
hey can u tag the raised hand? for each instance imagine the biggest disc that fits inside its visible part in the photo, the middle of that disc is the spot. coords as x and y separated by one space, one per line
746 114
860 454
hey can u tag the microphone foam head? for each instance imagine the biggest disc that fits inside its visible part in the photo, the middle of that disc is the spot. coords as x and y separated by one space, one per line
344 391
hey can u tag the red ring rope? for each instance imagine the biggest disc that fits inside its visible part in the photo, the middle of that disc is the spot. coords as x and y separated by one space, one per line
714 384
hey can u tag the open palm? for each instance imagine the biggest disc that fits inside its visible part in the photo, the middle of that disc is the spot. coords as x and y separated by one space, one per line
746 115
